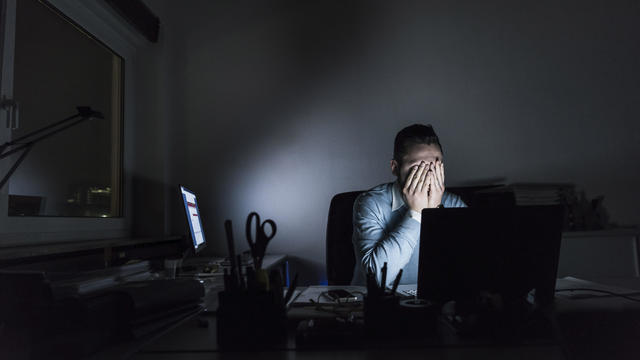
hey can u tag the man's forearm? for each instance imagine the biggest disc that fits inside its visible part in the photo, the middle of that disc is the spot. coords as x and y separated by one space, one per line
395 247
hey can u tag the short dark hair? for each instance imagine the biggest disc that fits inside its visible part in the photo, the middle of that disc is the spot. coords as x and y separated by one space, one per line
412 135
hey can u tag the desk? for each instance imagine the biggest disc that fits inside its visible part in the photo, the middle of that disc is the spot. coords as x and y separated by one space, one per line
190 341
602 328
434 353
593 328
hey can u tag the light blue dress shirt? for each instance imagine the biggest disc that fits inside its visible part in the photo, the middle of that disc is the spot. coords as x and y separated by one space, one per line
386 230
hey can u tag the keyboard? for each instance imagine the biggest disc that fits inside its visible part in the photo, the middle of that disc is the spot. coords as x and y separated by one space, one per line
410 292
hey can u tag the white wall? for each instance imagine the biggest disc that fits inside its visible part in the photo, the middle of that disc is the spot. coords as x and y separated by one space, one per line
275 106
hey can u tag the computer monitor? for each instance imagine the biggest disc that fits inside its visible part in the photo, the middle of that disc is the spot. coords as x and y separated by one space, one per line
193 219
509 251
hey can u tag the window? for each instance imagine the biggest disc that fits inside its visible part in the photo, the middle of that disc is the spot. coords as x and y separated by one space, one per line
57 55
58 66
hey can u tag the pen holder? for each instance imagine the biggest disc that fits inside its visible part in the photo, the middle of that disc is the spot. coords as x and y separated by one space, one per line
250 320
380 315
418 317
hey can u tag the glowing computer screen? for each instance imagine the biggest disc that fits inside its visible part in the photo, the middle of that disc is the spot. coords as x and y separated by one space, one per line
193 218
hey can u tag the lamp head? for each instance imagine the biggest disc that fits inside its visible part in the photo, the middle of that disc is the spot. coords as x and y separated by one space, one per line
87 112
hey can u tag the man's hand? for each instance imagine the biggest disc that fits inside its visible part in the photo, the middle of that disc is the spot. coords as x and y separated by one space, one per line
415 191
435 179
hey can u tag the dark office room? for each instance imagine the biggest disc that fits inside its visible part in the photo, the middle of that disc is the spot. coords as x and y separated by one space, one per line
359 179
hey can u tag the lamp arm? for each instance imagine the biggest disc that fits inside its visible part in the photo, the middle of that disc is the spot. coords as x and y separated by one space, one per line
26 148
15 141
84 113
13 151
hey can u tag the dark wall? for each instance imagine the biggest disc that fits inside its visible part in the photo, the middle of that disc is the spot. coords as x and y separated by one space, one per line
278 105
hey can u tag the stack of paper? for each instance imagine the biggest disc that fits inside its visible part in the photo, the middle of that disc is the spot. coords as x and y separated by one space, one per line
543 194
81 283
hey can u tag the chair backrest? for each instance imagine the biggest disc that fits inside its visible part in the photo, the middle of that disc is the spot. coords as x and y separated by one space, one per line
340 256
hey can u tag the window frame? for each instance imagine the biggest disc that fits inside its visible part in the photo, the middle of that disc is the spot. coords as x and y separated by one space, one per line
104 24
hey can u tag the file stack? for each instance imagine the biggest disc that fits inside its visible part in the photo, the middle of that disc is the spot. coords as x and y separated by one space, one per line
527 194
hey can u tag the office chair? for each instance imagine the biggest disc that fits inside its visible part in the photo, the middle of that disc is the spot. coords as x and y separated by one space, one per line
340 255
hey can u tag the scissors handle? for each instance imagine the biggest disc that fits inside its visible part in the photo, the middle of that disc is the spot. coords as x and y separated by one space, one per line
250 238
273 229
258 245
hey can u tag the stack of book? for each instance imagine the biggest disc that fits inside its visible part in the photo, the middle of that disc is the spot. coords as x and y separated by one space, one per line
86 282
527 194
532 194
580 213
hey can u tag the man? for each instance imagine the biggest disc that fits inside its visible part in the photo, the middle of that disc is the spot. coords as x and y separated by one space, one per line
386 219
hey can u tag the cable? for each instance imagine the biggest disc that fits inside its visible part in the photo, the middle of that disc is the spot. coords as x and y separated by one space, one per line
625 296
342 310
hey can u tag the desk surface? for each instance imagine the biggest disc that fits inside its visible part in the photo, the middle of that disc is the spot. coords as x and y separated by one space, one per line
475 353
196 338
602 328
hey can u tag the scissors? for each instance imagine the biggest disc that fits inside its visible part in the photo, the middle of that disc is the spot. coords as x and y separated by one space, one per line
259 245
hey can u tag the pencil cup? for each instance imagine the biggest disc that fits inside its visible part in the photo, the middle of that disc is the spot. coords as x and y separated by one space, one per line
380 315
418 317
250 320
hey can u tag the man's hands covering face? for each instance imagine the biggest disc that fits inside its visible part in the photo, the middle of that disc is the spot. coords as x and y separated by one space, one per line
436 189
424 186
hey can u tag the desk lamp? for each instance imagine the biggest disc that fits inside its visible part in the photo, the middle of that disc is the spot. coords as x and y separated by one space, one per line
25 143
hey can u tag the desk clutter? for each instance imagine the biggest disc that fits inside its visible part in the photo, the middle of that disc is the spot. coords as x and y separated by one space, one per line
362 316
388 315
252 308
383 309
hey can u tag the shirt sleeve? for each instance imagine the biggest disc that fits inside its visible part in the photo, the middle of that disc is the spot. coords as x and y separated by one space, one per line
453 201
415 216
374 245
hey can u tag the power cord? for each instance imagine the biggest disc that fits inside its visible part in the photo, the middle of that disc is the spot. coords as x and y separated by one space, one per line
625 296
343 310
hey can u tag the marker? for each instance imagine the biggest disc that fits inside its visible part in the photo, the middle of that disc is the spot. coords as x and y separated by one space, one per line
235 268
383 283
396 282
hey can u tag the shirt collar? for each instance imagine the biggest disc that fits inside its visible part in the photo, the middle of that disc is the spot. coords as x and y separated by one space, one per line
396 197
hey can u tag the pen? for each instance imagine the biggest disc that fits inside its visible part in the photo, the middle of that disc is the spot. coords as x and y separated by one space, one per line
292 288
383 283
251 279
396 282
372 285
232 252
240 277
226 280
275 281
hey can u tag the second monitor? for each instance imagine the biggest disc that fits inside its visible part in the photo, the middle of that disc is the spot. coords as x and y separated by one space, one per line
510 251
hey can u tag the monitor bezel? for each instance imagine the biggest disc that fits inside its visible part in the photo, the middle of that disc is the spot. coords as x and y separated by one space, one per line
192 243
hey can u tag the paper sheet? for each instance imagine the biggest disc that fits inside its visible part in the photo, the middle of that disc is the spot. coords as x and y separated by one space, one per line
407 290
317 294
570 282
